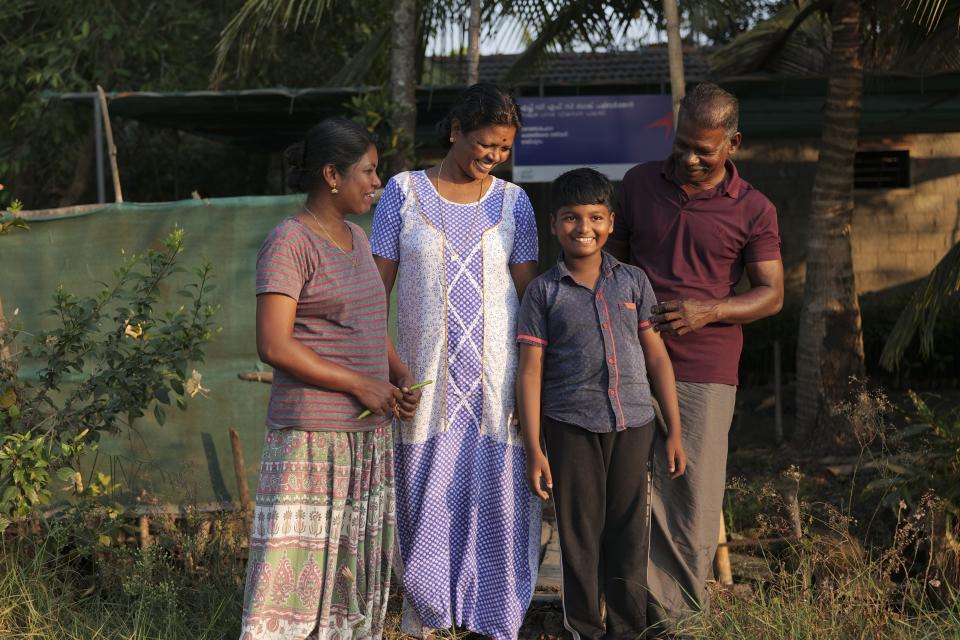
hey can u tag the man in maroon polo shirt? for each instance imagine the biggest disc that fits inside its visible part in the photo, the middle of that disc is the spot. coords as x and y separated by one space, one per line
694 226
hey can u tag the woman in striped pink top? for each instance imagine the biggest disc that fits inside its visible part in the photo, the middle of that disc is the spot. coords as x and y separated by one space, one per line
322 539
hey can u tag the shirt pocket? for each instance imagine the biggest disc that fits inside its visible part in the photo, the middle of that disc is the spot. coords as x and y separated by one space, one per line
629 318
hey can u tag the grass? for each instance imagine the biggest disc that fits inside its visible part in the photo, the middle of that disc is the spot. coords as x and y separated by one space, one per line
860 572
41 599
821 590
790 611
827 587
54 589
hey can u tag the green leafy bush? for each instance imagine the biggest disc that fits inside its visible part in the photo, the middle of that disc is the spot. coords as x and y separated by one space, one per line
110 358
373 111
10 218
925 458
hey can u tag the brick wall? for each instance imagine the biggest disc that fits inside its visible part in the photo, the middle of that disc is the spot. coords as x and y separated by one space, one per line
898 234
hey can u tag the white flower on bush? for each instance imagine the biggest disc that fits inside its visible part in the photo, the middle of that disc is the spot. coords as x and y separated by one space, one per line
193 386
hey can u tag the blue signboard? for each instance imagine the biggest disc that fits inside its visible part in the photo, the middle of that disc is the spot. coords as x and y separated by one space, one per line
609 133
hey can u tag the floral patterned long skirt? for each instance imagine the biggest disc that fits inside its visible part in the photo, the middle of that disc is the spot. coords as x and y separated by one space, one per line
322 540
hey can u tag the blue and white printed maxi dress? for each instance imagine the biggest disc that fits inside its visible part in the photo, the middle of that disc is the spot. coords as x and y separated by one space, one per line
468 525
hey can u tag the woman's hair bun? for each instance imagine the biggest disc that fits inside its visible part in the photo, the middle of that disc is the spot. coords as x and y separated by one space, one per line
335 141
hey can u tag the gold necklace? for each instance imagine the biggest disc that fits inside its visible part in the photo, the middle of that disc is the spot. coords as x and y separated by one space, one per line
327 233
473 222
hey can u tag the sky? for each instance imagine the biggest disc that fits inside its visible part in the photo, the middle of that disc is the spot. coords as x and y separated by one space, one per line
509 39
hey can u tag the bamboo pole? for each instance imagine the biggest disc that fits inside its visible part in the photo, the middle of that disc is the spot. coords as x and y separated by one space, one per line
59 212
777 394
788 492
746 543
257 376
111 147
169 510
4 351
240 469
721 561
98 140
143 525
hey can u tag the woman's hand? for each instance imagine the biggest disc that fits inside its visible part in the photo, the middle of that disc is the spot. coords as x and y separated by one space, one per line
539 469
676 457
377 395
410 400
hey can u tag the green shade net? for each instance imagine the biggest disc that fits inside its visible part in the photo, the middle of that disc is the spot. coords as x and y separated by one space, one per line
189 458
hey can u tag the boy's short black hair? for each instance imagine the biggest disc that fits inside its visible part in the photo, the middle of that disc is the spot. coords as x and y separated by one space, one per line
581 186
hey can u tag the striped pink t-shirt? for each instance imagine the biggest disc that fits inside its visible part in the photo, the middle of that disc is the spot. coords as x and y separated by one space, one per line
341 315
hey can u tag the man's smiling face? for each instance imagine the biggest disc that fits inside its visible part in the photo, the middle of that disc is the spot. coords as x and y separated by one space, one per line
699 153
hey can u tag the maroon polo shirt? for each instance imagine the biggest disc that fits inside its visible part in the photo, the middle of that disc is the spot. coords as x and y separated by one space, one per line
695 247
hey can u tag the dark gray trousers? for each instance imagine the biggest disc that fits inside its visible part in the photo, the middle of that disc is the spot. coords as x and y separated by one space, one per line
685 522
601 497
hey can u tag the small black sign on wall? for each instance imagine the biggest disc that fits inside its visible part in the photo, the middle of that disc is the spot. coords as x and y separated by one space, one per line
881 169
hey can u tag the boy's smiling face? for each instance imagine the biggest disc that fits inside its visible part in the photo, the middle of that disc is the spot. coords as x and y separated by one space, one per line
582 229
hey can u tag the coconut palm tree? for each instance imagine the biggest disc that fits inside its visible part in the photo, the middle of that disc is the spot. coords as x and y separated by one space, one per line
543 25
922 310
830 35
830 344
473 47
937 20
678 86
403 84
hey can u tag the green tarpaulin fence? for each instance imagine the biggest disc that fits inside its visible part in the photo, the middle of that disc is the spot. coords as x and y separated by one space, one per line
189 458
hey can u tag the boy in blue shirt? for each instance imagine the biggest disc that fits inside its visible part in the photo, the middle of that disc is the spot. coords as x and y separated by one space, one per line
586 346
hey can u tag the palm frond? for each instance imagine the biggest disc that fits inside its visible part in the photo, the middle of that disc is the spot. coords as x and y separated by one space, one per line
928 14
256 17
921 312
928 38
354 71
795 40
720 21
594 23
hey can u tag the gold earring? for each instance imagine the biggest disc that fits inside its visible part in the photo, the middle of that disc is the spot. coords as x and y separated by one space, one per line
334 189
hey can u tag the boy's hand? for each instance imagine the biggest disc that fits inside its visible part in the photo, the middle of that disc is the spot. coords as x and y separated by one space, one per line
538 468
676 457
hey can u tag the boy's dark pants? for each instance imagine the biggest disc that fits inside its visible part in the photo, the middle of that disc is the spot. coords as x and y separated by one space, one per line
601 497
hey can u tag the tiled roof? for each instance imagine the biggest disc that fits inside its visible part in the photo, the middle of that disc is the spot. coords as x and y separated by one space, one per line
645 66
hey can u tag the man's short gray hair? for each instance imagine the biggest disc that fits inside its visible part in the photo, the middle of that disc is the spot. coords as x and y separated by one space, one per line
710 107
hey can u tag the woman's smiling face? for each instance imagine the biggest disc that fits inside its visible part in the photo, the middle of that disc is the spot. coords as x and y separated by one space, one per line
359 185
477 152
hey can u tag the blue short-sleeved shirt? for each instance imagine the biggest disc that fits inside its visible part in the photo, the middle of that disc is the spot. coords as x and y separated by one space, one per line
594 373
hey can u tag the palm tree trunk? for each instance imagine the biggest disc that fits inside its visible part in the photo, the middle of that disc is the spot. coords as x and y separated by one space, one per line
403 47
473 44
678 86
830 344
